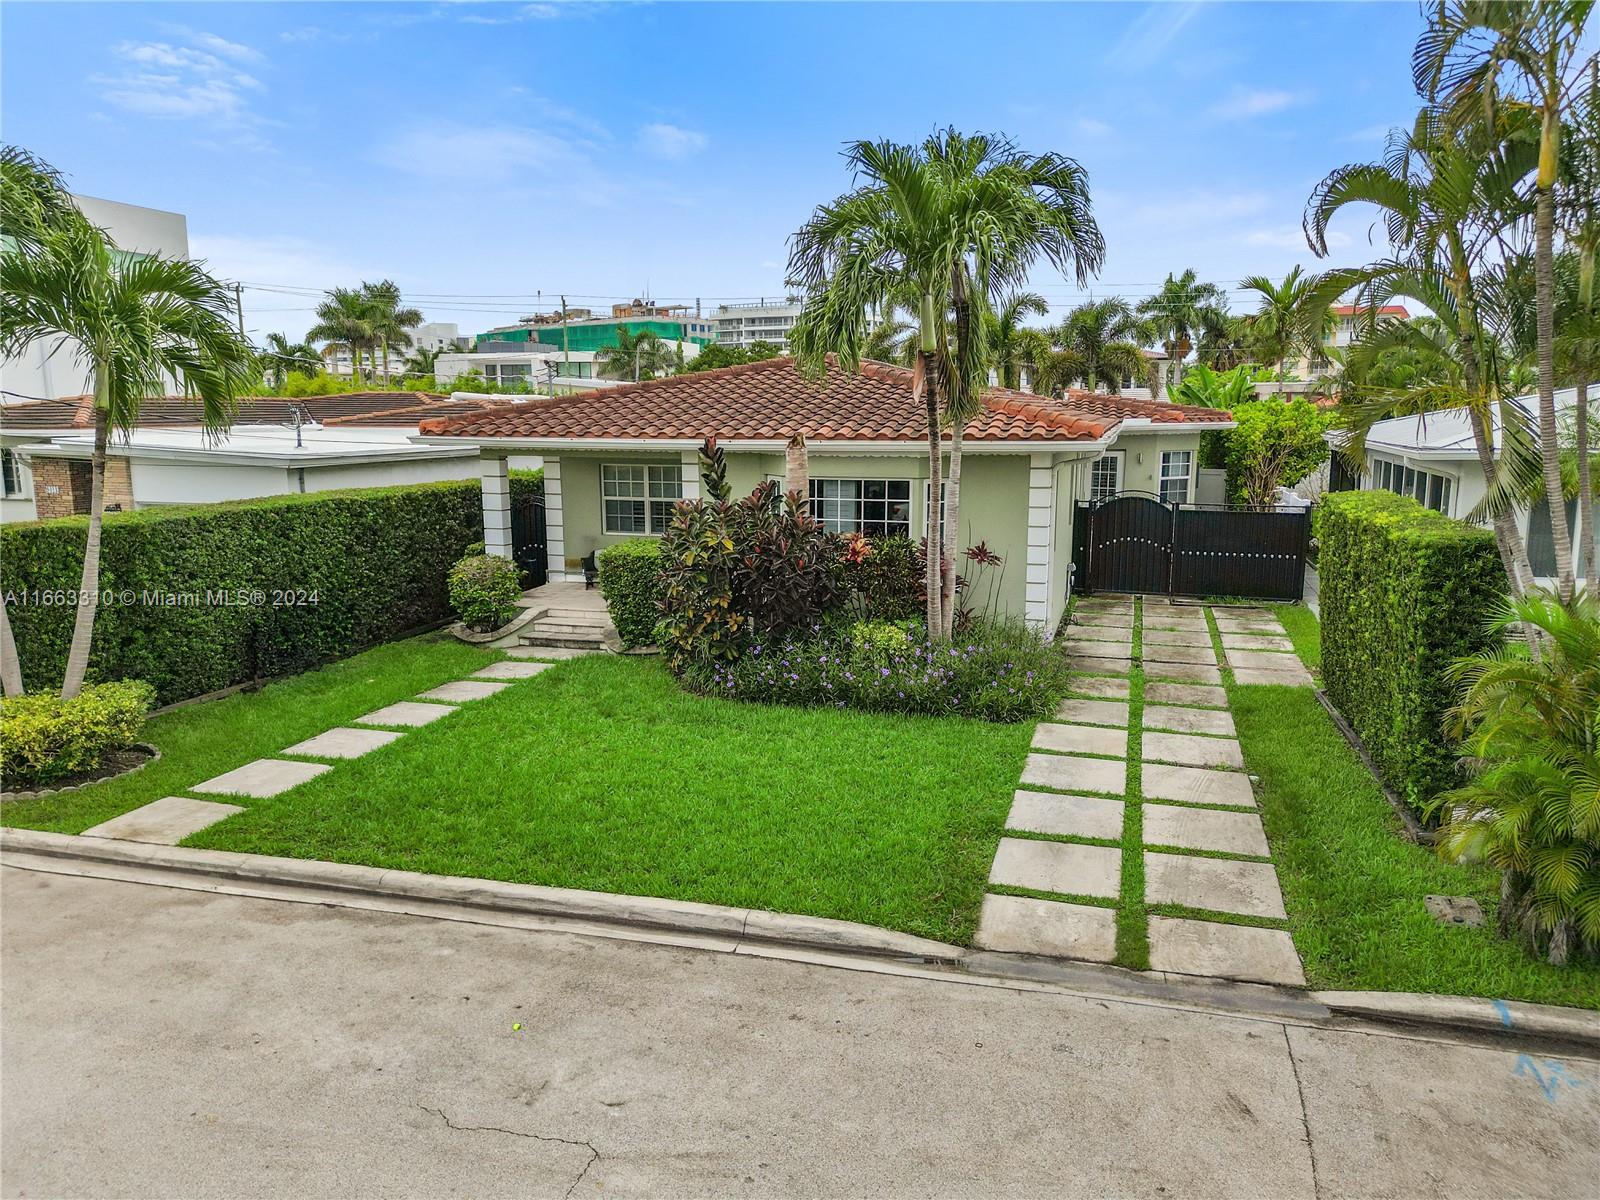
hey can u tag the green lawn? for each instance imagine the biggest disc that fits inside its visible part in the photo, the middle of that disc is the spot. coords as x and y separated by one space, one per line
602 774
1352 885
207 739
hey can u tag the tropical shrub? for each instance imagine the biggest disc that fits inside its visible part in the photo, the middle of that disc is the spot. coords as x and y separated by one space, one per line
1277 442
44 738
484 589
882 578
700 622
630 581
1000 671
1532 750
1404 593
786 566
875 643
206 596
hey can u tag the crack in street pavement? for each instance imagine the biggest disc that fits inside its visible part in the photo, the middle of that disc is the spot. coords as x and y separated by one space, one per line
594 1155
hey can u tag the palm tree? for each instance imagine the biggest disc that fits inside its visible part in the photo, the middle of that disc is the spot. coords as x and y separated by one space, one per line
1579 341
1012 345
953 223
391 324
344 322
422 361
1180 313
33 205
1531 807
1100 344
636 356
281 356
1292 316
1445 195
134 322
1470 51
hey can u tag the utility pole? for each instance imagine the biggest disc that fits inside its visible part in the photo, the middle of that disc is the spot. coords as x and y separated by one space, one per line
566 353
238 304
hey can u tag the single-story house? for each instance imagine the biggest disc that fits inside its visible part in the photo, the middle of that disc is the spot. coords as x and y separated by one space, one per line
275 446
1434 458
617 461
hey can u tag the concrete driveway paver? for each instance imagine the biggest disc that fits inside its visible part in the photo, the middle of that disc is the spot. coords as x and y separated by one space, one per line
1092 649
262 778
1269 660
166 821
1188 720
1183 672
512 670
1099 633
1188 947
1103 620
1024 925
1200 636
1291 675
343 743
1064 815
1091 665
406 712
1065 867
1185 694
1094 712
1178 654
1080 739
1204 829
1098 685
1069 773
1249 889
462 690
1196 785
1256 641
1192 750
1270 626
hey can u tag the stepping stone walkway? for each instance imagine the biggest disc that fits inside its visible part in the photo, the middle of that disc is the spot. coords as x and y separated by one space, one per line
171 819
1192 819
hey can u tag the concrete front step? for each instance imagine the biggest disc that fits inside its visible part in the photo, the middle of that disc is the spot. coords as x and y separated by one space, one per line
542 627
575 641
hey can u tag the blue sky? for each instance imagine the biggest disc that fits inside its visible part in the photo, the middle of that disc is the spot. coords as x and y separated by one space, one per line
482 153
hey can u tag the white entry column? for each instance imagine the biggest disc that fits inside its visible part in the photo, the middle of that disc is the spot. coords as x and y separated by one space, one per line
1041 539
555 536
496 506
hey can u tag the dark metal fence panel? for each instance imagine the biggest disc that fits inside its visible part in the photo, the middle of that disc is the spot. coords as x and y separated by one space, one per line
1239 552
528 543
1130 545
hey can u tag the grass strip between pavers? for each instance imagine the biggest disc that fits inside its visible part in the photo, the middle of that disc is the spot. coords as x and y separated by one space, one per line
1133 933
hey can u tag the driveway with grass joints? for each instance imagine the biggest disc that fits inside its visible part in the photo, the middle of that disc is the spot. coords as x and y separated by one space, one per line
1168 866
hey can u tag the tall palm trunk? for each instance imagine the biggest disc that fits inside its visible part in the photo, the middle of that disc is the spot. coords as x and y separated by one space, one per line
385 344
1544 279
10 665
89 588
952 527
921 389
797 468
1586 500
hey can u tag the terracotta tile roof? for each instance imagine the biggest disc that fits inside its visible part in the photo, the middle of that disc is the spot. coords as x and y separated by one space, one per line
408 415
1387 310
77 412
771 400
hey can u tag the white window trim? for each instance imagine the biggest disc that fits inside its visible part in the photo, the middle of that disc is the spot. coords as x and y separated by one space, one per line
21 475
1188 476
673 471
911 512
1376 463
1120 457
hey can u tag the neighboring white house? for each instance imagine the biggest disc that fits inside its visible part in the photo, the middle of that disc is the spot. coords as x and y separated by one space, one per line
275 446
743 325
1434 459
48 371
433 335
539 365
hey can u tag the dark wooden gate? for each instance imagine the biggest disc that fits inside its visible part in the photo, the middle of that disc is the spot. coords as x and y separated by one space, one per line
1137 543
1130 545
528 543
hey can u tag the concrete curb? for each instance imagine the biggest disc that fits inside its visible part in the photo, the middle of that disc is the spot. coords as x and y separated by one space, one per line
1470 1013
678 916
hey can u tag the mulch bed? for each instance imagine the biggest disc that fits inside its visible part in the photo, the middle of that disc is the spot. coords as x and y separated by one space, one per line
118 762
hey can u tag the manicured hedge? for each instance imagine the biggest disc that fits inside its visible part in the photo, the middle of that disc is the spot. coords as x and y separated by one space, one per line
1404 592
630 581
321 576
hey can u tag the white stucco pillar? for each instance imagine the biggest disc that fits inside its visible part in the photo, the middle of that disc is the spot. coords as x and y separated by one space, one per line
690 460
1041 539
555 533
496 507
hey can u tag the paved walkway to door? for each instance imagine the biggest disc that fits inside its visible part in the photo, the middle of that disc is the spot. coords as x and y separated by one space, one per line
1135 818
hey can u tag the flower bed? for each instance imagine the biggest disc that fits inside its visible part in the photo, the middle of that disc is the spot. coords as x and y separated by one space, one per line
1000 671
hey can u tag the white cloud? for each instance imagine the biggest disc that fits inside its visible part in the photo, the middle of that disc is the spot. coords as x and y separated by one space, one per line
200 80
1150 33
1257 103
670 141
492 154
1185 210
1291 238
506 14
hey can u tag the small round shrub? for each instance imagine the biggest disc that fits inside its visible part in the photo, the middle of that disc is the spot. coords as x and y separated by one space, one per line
44 738
484 589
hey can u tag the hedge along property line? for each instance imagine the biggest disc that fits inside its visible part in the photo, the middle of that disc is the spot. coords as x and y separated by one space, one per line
1405 592
630 581
207 596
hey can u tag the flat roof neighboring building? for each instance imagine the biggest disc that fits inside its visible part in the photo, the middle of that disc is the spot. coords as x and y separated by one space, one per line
743 325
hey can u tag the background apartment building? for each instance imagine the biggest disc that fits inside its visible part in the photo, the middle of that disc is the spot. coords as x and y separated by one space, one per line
743 325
